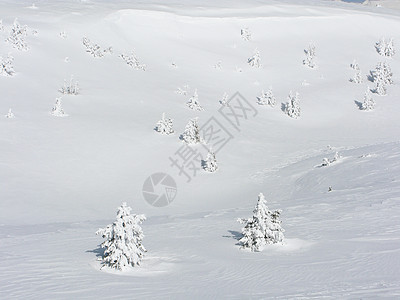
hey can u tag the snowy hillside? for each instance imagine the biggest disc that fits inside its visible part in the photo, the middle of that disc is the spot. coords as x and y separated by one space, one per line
66 167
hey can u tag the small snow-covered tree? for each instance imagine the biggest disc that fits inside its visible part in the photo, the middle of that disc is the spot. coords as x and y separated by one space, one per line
354 65
1 26
58 110
133 61
357 77
210 164
382 76
224 100
255 60
182 91
193 102
10 114
385 48
310 55
368 103
292 107
327 162
17 36
6 66
263 228
191 135
267 98
165 125
123 240
72 88
245 34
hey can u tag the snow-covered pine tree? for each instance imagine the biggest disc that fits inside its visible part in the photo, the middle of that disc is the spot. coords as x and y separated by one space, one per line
382 76
193 102
368 103
123 240
357 77
310 55
70 89
292 107
224 100
263 228
267 98
10 114
354 65
385 48
191 135
57 110
245 34
255 60
210 164
6 66
165 125
17 36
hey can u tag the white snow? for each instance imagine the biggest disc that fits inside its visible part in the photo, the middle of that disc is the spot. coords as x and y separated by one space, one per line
63 178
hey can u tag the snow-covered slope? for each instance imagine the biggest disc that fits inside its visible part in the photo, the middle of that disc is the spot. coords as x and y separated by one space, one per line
62 178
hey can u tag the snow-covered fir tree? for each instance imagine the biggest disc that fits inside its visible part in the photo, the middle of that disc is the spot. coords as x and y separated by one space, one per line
123 240
245 34
292 107
382 76
17 36
10 114
357 77
210 164
193 102
255 60
224 100
165 126
191 135
385 48
71 88
368 103
6 66
263 228
58 110
310 56
267 98
94 49
133 61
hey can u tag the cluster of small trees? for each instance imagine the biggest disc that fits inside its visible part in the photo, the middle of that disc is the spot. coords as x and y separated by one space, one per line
123 239
72 88
17 36
385 48
382 77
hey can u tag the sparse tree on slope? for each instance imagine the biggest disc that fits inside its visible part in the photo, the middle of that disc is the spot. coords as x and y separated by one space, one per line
382 76
210 164
58 110
357 77
165 125
123 240
191 135
263 228
255 60
384 48
10 114
17 36
267 98
292 107
310 55
246 34
193 102
6 66
368 103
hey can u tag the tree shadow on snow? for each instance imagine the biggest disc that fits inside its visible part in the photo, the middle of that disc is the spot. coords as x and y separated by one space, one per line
370 77
283 107
236 235
359 104
98 251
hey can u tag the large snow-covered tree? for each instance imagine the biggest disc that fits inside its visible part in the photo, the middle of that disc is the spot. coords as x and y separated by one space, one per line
165 125
382 76
17 36
191 135
263 228
245 34
368 103
385 48
123 240
292 107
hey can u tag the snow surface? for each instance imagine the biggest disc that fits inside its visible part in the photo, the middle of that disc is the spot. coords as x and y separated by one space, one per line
63 178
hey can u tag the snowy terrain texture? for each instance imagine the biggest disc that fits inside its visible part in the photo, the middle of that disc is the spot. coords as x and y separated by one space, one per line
87 82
